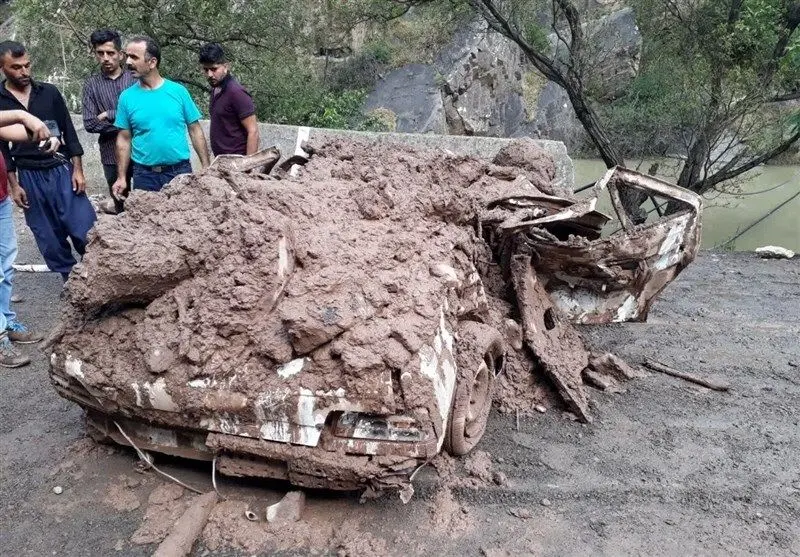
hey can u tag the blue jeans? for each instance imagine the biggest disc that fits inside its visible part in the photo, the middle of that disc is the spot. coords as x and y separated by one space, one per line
8 253
153 178
56 213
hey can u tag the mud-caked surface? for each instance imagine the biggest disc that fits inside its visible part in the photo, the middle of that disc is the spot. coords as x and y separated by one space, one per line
187 304
666 468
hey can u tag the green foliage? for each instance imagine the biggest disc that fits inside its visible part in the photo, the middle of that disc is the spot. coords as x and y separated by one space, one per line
379 50
706 71
339 110
793 122
280 50
536 36
359 71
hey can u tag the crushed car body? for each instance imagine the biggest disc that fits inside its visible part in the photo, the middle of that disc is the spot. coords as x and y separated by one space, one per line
338 328
596 278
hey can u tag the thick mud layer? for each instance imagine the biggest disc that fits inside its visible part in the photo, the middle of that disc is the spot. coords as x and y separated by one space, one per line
279 307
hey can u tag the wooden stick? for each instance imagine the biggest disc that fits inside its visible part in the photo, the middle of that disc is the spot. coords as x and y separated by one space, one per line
657 366
187 528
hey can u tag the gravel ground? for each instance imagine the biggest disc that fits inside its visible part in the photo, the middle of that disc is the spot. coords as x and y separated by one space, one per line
667 467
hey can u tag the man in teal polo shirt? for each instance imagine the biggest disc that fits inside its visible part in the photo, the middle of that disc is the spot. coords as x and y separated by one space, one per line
153 116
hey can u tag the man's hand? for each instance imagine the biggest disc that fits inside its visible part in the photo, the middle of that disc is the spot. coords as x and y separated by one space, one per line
50 146
78 181
38 130
118 188
103 116
18 195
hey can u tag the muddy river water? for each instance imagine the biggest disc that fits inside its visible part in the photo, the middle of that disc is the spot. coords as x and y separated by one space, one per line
726 215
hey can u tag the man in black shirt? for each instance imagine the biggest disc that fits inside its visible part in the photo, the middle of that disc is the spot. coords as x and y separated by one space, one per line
50 187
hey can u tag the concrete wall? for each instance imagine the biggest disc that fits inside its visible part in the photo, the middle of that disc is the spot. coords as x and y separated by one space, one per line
285 138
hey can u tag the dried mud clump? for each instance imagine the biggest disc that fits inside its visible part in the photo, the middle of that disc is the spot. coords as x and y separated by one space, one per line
525 157
223 277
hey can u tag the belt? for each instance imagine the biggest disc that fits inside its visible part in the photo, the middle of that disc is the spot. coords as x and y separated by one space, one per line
163 167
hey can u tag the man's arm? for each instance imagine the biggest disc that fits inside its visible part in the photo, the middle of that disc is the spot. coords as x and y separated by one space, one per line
199 143
72 146
246 111
15 133
95 120
19 126
78 178
123 161
192 115
251 126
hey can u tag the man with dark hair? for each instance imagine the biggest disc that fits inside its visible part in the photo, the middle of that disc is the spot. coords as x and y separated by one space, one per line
152 116
100 94
49 186
234 129
18 126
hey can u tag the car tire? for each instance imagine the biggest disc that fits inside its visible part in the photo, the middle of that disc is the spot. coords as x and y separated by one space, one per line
480 355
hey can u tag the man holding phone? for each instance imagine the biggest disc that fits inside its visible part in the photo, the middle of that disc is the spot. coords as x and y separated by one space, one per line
49 186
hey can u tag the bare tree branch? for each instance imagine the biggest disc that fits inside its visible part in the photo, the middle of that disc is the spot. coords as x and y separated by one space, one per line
727 174
785 97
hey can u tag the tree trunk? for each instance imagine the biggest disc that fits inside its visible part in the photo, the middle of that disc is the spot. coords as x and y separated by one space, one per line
690 173
695 161
591 123
631 199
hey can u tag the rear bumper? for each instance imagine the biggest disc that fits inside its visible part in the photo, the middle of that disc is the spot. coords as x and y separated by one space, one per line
335 463
309 467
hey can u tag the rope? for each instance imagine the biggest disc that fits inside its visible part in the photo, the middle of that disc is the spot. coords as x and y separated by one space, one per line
759 221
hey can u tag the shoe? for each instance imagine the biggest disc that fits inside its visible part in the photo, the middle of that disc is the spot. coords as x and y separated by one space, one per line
16 299
9 357
17 332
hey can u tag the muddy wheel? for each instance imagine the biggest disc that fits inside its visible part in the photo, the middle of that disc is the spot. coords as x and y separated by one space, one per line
480 356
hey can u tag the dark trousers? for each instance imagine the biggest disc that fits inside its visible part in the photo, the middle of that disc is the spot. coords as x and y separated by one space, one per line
153 178
55 214
110 171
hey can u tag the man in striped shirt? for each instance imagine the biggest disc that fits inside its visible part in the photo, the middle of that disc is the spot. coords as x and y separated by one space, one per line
100 95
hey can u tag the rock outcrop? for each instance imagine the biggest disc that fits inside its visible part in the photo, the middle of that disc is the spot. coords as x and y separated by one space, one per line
477 84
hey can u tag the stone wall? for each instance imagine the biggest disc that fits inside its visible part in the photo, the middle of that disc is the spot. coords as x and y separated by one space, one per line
286 139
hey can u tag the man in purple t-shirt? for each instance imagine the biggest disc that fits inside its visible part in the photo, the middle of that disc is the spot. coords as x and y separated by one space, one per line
234 130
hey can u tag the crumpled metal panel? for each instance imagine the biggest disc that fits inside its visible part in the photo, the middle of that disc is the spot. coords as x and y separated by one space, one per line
595 279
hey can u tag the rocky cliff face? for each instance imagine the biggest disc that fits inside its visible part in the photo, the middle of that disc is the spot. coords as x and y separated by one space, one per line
474 87
481 84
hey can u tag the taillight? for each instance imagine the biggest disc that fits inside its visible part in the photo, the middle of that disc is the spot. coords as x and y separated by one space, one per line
355 425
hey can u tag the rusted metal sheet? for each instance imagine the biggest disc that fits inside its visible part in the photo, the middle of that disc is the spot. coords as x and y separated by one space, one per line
595 279
552 340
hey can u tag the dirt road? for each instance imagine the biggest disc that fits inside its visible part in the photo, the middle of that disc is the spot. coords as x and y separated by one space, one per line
667 468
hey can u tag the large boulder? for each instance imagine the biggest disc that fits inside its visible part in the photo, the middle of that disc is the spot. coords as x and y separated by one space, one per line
555 119
477 84
474 87
615 52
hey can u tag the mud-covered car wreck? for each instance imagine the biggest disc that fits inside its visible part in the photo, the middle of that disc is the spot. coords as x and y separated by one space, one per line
338 328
